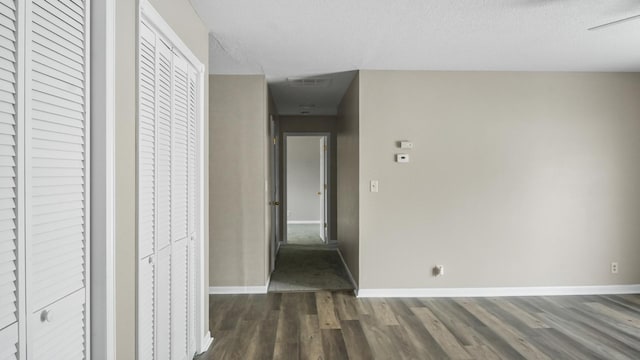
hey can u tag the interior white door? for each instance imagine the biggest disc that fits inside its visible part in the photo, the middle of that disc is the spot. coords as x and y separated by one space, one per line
57 170
8 183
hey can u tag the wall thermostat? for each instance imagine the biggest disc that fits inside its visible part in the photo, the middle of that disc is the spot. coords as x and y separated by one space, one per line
406 145
402 158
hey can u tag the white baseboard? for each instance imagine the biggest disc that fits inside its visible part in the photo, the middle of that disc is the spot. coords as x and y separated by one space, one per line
226 290
502 291
206 342
353 281
304 222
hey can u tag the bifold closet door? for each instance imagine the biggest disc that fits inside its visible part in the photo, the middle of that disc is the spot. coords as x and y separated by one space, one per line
56 174
180 212
8 183
166 200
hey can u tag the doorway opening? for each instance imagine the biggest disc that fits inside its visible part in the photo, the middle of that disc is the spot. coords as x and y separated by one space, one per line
306 188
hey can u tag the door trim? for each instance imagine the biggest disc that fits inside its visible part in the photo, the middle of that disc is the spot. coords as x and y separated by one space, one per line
102 118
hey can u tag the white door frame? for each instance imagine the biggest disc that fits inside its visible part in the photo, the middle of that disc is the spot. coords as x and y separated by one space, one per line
102 177
327 175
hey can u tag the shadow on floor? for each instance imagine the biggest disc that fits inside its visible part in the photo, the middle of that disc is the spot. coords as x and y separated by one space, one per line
305 268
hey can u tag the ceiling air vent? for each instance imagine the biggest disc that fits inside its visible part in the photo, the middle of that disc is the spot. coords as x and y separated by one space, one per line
309 82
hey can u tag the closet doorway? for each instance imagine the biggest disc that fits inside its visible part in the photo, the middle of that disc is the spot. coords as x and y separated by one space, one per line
170 289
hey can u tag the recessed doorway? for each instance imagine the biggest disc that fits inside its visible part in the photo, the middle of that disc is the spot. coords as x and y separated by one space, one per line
306 188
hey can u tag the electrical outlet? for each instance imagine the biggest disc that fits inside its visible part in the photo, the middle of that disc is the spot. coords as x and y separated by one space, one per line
438 270
614 267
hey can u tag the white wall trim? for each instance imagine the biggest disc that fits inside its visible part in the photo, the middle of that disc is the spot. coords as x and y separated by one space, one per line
353 281
206 342
304 222
102 50
226 290
502 291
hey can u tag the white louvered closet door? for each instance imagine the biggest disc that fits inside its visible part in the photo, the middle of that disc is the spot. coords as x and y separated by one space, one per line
180 212
163 161
167 197
146 193
56 168
193 203
8 188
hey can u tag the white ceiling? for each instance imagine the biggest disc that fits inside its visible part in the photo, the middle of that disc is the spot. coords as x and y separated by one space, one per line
297 38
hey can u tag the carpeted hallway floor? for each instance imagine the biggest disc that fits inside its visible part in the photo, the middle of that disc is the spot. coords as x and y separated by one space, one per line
308 268
304 234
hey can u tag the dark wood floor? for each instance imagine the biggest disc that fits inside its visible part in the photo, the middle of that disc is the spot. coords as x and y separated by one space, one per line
336 325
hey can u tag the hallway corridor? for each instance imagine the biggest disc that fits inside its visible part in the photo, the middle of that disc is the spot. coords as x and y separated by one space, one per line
309 268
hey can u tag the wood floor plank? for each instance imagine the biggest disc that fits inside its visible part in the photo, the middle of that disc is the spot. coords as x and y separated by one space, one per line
420 339
382 311
379 338
333 344
441 334
355 340
310 338
345 304
326 310
483 352
527 318
509 333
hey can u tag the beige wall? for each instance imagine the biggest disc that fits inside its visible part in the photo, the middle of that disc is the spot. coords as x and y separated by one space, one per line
349 178
328 124
516 179
238 161
182 18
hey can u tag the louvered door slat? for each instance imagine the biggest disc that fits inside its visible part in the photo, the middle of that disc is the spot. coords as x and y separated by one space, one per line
179 165
146 309
163 303
163 156
179 294
9 342
147 146
8 210
57 180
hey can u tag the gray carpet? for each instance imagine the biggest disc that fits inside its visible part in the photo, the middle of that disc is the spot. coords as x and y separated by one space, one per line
304 268
304 234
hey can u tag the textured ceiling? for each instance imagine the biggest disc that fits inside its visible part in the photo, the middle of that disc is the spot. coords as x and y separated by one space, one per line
294 38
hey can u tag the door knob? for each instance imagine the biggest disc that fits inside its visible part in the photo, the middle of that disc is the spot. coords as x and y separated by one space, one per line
274 203
46 316
319 193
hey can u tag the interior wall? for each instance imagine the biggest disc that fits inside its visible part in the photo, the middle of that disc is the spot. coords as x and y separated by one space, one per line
325 124
238 180
180 15
303 178
516 179
348 180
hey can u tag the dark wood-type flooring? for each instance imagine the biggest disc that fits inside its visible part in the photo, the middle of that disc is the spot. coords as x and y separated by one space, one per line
336 325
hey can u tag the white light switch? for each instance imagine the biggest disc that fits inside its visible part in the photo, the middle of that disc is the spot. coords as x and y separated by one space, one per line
374 186
402 158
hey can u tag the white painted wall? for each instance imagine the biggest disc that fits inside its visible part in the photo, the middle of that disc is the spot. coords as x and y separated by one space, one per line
303 178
